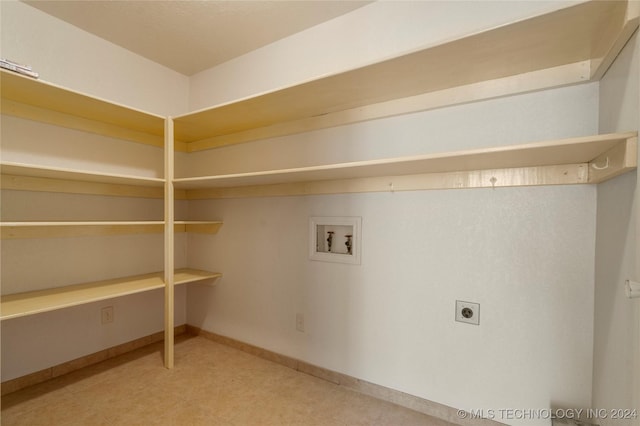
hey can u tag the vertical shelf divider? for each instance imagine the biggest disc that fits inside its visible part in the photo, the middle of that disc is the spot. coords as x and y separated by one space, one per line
168 242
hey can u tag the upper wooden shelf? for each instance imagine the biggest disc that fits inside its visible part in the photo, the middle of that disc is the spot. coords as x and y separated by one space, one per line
60 229
46 102
588 159
28 177
34 302
21 169
588 35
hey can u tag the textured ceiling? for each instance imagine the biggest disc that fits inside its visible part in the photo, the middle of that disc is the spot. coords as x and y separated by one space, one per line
191 36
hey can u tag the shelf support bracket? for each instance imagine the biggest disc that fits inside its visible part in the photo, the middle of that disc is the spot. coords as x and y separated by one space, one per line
618 160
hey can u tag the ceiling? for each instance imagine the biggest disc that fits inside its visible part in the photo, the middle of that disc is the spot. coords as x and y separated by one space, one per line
191 36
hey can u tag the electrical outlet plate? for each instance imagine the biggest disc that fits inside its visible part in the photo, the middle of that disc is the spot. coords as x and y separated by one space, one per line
468 312
107 314
300 322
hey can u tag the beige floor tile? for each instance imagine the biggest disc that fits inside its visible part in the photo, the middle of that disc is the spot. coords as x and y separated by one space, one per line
195 415
56 412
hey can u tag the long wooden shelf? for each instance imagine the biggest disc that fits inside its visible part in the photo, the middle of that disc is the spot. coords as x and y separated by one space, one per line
46 102
61 173
58 229
34 302
28 177
571 45
584 157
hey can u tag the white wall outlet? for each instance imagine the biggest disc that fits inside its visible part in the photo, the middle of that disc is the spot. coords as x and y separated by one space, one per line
300 322
107 314
468 312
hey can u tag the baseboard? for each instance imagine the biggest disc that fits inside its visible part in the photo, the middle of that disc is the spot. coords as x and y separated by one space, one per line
85 361
412 402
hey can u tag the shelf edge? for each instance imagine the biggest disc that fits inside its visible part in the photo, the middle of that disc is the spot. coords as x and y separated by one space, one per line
569 174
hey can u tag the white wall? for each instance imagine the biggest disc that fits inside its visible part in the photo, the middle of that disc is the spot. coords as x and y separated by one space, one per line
30 142
566 112
525 254
616 378
73 58
70 57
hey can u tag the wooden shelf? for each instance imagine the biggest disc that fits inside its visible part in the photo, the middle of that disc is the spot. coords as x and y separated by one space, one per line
568 46
45 102
200 227
187 275
27 177
34 302
58 229
20 169
575 160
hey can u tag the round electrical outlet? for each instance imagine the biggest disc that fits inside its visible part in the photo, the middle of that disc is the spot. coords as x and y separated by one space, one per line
468 312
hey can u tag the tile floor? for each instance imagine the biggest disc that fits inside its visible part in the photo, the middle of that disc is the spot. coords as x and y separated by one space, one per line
211 384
